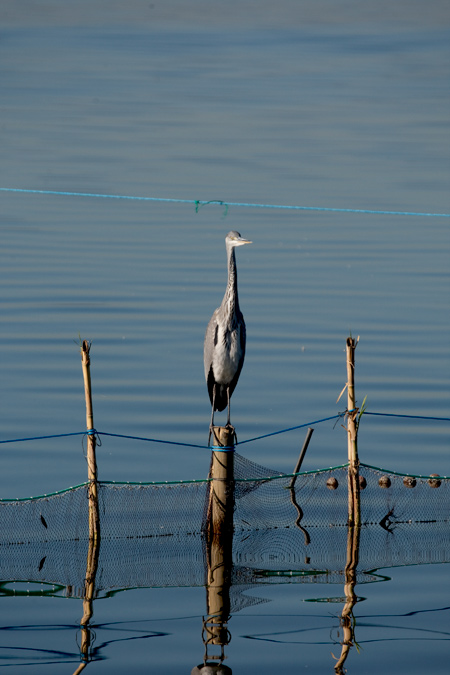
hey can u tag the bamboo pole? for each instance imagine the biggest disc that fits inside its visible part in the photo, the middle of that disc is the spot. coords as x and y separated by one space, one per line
354 518
354 512
94 515
351 402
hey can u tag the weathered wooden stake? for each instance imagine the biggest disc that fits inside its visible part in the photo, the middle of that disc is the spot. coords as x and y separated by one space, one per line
94 515
354 510
220 539
351 402
221 496
352 431
309 433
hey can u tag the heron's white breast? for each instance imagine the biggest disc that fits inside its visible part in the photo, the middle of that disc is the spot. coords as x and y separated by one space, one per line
227 355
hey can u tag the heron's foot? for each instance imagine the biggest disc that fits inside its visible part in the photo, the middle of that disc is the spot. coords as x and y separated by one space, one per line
218 438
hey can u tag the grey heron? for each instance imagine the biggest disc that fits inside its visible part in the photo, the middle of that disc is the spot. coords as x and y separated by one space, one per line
224 347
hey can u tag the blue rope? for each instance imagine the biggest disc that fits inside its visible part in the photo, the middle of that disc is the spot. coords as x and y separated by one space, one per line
411 417
154 440
199 202
282 431
215 447
40 438
159 440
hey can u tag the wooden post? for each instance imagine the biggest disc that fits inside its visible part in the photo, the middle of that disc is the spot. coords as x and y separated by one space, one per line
351 402
309 433
94 515
352 432
354 511
221 498
219 543
292 486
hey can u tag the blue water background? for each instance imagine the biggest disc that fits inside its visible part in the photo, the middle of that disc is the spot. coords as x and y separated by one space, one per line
320 104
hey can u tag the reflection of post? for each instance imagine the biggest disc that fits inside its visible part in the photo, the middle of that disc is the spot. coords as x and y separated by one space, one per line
88 601
219 541
94 516
347 619
352 430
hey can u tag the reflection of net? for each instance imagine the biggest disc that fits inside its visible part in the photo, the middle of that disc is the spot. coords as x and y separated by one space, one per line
151 534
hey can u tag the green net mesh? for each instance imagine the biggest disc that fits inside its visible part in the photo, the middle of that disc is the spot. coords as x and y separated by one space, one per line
153 534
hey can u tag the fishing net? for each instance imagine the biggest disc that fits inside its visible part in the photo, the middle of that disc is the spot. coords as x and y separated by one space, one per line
286 528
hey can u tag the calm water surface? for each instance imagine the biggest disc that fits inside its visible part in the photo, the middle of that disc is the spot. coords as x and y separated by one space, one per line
297 625
316 104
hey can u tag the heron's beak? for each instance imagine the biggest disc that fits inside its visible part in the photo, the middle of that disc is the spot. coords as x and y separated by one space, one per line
241 241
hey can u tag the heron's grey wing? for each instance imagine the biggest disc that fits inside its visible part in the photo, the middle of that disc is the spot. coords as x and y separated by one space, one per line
242 338
208 352
210 342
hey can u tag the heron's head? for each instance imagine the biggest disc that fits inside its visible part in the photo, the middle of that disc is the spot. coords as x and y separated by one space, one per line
233 239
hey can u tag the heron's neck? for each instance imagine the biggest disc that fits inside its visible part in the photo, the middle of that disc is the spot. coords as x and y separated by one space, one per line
230 301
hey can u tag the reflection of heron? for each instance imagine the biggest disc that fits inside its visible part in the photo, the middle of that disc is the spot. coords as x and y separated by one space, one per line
224 347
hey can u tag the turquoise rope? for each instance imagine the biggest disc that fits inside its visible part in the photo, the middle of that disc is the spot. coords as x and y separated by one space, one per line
222 448
49 494
398 473
199 202
198 481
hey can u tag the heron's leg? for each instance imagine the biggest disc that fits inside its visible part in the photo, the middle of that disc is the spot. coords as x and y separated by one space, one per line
211 424
228 398
229 425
